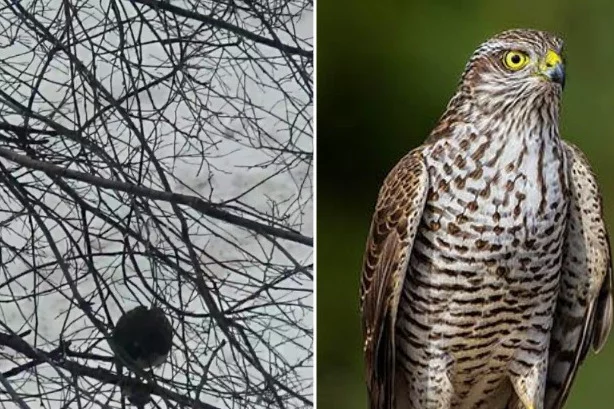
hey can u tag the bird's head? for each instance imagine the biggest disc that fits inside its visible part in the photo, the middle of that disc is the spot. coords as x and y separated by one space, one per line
516 70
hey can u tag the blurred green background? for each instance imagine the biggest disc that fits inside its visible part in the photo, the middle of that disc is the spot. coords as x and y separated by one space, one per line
385 73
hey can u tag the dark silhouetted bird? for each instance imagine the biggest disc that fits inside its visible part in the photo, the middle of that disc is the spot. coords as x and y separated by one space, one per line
145 336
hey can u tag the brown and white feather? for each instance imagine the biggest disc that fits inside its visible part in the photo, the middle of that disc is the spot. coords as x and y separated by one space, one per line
393 228
584 307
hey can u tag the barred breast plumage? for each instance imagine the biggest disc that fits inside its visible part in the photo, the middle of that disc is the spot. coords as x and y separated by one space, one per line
483 274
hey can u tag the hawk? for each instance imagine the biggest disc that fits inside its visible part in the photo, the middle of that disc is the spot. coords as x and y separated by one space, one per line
487 275
144 335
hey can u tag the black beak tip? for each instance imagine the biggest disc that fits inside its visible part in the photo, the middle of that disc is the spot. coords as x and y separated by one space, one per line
558 75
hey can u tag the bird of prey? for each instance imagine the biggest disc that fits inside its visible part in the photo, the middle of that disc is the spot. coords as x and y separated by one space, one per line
144 336
487 275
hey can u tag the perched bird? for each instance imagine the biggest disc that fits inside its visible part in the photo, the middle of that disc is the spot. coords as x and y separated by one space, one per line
487 273
144 335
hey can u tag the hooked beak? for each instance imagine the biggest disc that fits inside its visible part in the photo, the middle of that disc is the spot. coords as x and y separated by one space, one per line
553 68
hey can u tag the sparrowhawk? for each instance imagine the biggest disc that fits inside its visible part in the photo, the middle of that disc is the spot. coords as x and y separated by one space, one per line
144 335
487 273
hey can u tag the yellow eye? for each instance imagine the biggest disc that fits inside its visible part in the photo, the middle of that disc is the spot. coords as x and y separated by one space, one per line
515 60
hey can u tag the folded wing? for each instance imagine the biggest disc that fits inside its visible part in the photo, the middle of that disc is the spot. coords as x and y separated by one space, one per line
583 315
397 216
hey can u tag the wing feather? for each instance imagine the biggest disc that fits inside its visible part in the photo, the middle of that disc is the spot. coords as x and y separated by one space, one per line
583 315
396 219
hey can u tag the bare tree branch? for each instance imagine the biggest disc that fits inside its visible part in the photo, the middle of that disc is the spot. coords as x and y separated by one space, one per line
221 24
203 206
157 152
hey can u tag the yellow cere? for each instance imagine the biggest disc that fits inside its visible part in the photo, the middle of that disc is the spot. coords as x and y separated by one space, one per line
552 59
515 60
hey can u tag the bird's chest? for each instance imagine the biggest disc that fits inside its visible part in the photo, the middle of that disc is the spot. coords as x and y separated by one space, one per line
500 207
